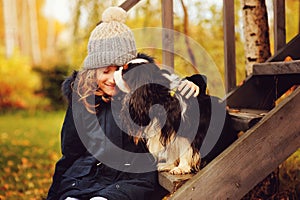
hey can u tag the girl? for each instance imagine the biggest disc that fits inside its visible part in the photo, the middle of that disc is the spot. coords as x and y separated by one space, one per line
95 162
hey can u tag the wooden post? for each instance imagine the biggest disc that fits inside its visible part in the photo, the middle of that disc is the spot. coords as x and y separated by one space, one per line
279 24
126 5
229 45
167 33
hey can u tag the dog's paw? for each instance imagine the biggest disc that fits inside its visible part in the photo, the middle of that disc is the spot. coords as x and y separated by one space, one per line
162 167
180 170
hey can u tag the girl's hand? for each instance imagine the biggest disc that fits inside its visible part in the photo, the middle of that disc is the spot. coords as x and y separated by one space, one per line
187 88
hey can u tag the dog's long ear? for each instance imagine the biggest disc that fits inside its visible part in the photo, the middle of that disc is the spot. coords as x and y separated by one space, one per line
139 105
135 111
154 101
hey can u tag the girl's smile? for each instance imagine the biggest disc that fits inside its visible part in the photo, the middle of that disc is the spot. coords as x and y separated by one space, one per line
106 80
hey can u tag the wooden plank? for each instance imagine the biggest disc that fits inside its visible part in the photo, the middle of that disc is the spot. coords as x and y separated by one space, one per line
251 158
261 91
276 68
229 45
243 120
127 5
292 49
172 182
252 94
167 33
279 24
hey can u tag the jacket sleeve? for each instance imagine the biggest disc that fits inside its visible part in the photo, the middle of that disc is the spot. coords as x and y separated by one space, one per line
72 148
200 80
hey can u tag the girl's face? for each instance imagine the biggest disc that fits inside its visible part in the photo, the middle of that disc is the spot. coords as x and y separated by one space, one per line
106 80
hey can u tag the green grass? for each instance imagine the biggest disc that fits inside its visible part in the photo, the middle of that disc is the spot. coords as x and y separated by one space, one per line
29 146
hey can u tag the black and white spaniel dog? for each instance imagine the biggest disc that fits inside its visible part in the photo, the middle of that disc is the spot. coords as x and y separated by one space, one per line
173 127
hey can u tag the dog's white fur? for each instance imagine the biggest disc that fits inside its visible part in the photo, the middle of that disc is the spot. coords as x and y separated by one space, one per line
176 157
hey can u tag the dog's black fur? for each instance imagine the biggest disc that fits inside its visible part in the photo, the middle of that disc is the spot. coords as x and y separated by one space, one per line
149 87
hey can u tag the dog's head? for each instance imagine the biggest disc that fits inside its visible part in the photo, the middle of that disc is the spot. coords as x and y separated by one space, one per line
147 96
138 73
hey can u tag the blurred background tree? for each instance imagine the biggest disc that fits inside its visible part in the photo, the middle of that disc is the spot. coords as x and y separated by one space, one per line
19 84
30 46
52 46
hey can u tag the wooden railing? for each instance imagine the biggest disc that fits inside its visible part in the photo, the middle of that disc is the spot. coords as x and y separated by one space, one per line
229 34
229 45
127 5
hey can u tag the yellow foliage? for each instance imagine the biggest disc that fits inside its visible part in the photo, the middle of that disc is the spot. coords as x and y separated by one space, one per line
290 173
18 82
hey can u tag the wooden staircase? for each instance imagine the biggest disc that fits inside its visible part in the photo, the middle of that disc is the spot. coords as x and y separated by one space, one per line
271 130
271 127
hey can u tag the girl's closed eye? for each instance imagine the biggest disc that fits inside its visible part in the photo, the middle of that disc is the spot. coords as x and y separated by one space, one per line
110 69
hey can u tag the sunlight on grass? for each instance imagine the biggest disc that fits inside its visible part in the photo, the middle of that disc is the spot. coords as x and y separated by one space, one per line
30 146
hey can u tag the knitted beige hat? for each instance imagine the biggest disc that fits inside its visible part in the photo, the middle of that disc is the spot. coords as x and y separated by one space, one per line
111 42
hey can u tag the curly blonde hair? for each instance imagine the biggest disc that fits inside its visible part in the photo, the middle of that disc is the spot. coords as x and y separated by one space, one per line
86 86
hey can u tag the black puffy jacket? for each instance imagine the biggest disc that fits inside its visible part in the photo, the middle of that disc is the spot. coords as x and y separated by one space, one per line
80 174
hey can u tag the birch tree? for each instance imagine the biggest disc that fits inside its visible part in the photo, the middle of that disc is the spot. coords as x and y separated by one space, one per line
256 31
24 29
10 26
34 32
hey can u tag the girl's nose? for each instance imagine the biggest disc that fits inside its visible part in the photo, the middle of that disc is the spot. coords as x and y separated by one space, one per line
111 78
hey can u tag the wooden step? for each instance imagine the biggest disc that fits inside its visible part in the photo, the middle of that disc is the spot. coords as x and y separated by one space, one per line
268 82
173 182
277 68
244 119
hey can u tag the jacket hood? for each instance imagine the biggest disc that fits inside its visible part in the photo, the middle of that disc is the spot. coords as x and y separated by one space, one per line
66 86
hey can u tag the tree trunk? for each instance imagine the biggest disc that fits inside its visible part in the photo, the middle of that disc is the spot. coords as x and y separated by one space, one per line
34 32
76 19
186 33
25 39
51 38
167 33
10 24
256 31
